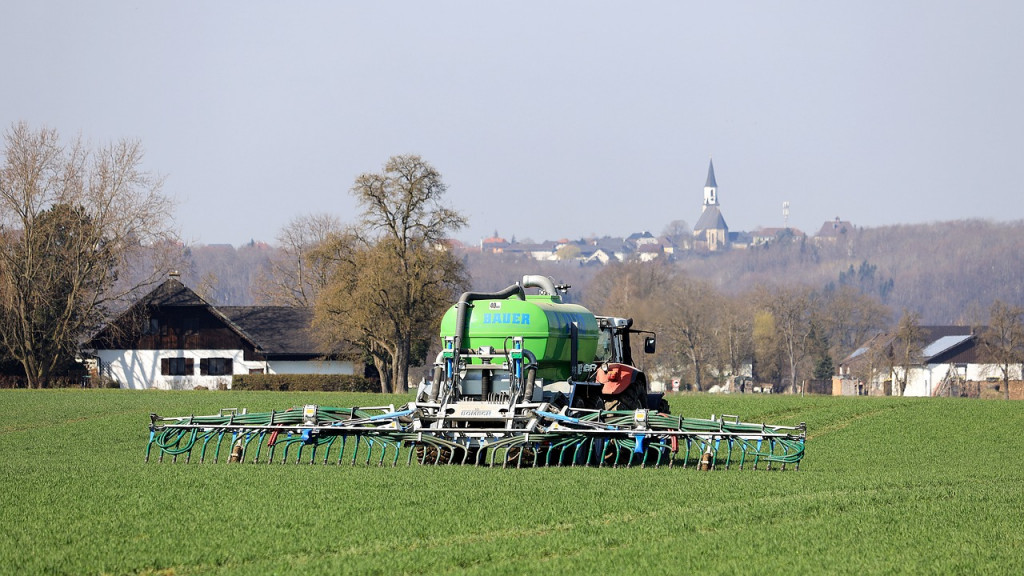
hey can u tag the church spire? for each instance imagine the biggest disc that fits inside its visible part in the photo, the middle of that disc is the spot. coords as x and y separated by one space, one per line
710 187
711 175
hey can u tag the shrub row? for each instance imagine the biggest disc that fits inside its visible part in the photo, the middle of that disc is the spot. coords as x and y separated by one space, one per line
304 382
13 381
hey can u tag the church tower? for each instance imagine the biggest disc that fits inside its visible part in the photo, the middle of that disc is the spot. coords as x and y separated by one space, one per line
711 231
710 188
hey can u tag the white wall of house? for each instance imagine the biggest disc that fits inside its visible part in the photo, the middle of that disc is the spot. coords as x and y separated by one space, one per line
140 369
926 380
310 367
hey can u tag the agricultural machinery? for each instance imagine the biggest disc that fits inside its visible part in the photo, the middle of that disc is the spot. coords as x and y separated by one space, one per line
522 380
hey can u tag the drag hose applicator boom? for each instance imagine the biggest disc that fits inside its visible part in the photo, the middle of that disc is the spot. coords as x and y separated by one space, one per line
521 380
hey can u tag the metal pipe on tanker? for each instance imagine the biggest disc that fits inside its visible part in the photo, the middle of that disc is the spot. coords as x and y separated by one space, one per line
467 297
542 282
461 317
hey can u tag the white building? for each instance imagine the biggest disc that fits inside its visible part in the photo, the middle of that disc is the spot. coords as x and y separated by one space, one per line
952 361
172 339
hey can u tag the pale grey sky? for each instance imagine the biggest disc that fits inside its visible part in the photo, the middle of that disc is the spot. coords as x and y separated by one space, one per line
547 119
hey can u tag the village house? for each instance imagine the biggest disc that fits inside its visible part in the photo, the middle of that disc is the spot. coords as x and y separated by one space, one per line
952 362
832 230
173 339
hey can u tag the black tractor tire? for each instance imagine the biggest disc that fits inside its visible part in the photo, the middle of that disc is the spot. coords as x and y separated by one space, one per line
632 398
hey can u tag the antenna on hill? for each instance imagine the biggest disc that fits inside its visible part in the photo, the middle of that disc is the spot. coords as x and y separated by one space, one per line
785 214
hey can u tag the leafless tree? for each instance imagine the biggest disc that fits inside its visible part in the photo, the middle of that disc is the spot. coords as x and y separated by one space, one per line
873 355
791 310
678 231
907 346
631 289
296 274
767 345
692 315
390 277
1003 340
849 317
83 231
733 331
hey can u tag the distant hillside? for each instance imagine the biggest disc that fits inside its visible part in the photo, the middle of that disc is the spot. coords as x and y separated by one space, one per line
949 272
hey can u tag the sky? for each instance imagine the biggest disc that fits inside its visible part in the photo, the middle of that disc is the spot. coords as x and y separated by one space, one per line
547 120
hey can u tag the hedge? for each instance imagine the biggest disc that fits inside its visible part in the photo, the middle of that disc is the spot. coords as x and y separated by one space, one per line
304 382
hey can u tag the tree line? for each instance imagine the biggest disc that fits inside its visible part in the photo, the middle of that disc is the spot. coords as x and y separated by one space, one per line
84 232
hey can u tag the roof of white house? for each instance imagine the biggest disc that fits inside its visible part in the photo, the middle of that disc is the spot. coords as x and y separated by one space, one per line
943 344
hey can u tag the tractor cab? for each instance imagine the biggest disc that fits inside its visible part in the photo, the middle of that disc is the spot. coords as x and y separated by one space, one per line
613 340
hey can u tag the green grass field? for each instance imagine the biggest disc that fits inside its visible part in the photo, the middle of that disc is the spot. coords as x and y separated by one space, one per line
889 485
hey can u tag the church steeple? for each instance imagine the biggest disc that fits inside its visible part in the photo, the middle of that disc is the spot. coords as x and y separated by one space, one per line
711 230
710 187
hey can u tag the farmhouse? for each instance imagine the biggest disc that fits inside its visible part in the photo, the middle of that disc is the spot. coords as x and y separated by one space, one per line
173 339
952 361
833 231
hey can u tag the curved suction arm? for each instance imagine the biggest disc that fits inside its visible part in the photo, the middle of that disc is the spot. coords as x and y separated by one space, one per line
543 282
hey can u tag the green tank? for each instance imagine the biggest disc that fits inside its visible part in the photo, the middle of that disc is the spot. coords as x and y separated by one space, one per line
543 322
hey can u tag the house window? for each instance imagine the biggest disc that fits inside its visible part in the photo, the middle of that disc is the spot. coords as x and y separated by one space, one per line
177 366
215 367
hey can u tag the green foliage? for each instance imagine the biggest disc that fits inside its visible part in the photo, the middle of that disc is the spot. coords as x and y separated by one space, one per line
866 280
824 368
889 485
767 347
568 252
304 382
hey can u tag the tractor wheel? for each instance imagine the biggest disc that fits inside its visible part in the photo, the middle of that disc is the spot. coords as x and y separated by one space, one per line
628 400
632 398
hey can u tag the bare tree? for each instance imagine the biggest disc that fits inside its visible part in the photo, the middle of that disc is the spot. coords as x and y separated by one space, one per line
678 231
848 318
297 273
631 289
767 345
75 224
791 309
1003 340
871 358
734 334
691 316
907 345
391 278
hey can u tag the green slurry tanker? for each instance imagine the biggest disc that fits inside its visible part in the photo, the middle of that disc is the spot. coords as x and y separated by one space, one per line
521 380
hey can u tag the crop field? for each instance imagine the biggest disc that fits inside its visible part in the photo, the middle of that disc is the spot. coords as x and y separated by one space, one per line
889 485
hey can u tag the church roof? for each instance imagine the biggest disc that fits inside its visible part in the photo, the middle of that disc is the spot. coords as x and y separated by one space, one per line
710 219
711 176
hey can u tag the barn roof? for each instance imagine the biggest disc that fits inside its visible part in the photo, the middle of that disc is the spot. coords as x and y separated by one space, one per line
275 329
272 330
